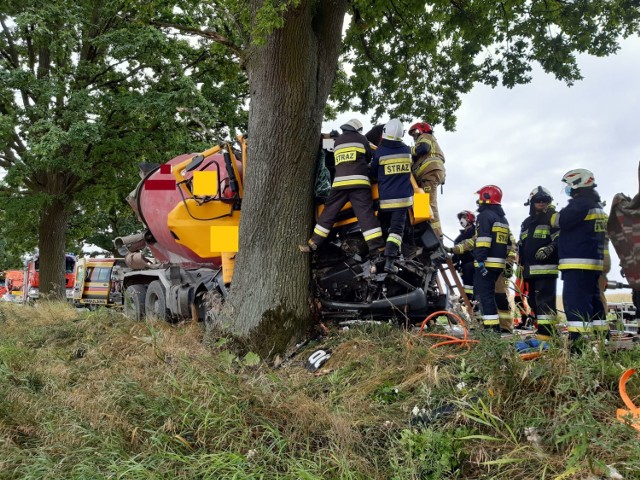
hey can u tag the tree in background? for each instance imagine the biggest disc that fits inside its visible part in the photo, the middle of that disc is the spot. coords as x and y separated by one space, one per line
86 93
403 58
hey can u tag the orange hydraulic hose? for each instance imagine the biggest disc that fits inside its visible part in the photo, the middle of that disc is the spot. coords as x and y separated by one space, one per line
632 413
450 339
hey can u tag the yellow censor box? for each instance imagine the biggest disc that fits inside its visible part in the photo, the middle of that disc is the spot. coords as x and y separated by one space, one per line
205 184
224 238
421 206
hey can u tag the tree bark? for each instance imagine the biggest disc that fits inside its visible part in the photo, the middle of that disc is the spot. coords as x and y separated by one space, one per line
290 77
51 243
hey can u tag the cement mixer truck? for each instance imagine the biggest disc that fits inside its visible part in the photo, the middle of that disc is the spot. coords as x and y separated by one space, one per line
190 208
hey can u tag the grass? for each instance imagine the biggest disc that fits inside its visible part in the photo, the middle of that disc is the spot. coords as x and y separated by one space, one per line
93 395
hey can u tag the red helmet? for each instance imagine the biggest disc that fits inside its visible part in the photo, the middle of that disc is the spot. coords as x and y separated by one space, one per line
468 215
489 195
422 127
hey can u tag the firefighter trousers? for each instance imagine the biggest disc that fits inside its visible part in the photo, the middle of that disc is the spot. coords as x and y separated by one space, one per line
579 292
362 205
542 300
392 222
485 292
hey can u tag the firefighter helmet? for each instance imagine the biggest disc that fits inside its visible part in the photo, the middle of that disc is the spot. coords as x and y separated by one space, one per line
489 195
393 130
353 125
579 178
468 215
539 194
420 127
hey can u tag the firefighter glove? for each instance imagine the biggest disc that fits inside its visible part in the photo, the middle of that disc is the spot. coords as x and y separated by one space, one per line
508 272
544 252
483 270
448 249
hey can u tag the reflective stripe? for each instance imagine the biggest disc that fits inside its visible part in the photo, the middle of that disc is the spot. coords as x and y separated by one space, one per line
545 319
491 320
502 225
600 323
483 242
396 158
555 220
371 234
497 228
524 235
541 231
494 264
504 315
321 231
351 180
396 203
555 235
495 260
543 269
579 326
350 146
395 238
595 214
468 289
581 264
424 166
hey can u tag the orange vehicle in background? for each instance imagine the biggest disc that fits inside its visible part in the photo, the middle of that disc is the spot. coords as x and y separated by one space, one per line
32 277
13 281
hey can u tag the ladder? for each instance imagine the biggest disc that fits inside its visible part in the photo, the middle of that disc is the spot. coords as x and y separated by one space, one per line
450 277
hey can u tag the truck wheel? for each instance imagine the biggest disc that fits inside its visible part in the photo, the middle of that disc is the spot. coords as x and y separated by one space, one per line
155 303
134 297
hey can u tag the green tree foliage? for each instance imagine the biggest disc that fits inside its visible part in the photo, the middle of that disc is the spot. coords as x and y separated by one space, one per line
86 93
412 58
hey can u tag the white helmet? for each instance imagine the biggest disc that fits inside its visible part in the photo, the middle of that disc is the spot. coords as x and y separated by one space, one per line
539 194
393 130
353 125
579 178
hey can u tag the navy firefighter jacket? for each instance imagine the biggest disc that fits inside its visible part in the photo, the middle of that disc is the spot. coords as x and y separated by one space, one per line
492 237
391 165
536 232
352 155
583 225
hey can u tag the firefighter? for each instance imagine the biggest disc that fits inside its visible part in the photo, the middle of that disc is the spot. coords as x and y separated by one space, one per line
391 166
539 259
462 246
490 253
466 245
581 244
352 155
428 167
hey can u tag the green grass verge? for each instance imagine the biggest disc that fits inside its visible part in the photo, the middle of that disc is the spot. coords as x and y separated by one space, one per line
93 395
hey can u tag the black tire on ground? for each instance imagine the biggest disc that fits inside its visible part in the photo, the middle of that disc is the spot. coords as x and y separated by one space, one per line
134 298
155 303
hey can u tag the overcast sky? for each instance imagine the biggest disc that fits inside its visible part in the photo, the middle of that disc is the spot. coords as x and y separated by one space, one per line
533 134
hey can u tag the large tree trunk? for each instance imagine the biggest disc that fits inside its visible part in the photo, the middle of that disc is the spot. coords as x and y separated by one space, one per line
290 77
52 238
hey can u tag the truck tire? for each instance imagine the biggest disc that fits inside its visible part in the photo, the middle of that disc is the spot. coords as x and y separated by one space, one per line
134 297
155 303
